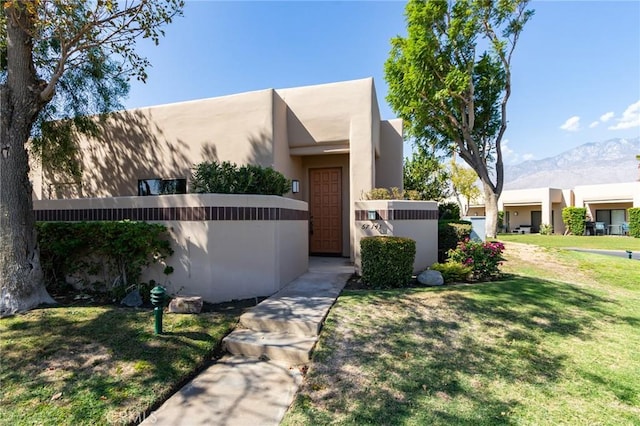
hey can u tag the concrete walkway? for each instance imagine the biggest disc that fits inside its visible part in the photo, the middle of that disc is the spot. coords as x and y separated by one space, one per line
257 382
617 253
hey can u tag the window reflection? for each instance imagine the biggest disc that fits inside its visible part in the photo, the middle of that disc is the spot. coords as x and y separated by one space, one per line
161 186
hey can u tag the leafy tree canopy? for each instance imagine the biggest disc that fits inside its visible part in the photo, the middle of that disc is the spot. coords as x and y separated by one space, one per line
463 183
60 61
83 55
424 173
450 80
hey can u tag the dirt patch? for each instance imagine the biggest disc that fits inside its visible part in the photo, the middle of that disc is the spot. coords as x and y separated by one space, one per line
64 362
545 261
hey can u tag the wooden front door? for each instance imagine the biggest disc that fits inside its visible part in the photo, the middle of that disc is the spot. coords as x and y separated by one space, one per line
325 211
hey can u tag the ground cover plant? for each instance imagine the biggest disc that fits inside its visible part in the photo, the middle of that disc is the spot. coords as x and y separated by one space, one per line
555 342
85 365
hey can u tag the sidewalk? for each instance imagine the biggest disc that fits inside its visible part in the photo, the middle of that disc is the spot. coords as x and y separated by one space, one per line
255 386
617 253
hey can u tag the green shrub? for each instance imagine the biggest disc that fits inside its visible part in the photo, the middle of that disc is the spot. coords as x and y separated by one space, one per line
387 262
412 194
105 256
393 193
450 233
573 218
634 222
378 194
546 229
501 227
452 272
449 211
229 178
484 258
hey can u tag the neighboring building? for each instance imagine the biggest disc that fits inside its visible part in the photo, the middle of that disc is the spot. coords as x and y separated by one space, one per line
530 208
328 137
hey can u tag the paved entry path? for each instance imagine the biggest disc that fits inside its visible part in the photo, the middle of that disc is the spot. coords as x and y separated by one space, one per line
617 253
255 385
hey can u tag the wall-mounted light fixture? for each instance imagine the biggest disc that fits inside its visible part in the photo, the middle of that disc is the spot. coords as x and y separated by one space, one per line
515 213
372 215
295 186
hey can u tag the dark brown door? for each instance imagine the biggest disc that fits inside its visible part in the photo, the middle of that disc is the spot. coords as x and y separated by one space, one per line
536 221
325 210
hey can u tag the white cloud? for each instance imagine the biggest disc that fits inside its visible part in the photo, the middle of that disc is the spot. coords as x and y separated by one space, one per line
594 124
630 118
510 156
506 151
606 116
572 124
526 157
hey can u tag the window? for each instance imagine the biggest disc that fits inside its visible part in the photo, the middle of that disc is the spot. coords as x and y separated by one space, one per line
610 217
159 186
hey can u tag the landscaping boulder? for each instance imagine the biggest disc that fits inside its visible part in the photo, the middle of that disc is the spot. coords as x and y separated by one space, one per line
186 305
430 278
133 299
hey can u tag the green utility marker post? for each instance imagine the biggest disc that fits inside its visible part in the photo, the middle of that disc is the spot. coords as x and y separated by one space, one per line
158 299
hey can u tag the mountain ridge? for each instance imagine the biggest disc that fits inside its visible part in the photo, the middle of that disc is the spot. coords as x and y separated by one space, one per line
610 161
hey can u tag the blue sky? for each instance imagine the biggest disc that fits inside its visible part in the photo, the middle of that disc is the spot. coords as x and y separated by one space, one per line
576 70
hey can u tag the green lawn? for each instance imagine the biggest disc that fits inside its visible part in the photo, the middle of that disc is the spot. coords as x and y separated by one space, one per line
605 242
534 348
99 365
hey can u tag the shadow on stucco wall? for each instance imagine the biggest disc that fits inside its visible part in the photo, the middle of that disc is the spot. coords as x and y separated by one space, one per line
130 146
261 150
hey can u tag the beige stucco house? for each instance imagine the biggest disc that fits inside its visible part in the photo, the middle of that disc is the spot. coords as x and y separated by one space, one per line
607 203
329 138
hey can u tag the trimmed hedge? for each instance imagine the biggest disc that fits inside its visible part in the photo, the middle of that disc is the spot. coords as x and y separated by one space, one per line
387 262
573 218
449 211
634 222
450 233
103 256
229 178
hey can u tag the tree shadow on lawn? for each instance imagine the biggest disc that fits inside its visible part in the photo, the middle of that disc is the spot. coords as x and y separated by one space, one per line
96 363
453 355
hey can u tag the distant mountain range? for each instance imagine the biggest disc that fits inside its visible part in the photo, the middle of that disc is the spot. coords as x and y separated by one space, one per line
611 161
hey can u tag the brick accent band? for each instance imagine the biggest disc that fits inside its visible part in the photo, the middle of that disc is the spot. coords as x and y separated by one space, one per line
399 214
172 213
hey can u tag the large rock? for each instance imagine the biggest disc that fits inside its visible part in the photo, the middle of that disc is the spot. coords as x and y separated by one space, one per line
133 299
430 278
186 305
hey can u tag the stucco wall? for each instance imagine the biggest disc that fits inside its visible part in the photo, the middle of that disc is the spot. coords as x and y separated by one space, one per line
166 141
323 114
612 193
250 246
291 130
548 201
389 162
413 219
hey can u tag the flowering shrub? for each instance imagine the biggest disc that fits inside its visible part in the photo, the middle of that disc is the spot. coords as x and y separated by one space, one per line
483 258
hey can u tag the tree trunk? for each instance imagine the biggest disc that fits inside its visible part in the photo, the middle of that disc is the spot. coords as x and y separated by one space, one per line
21 281
491 210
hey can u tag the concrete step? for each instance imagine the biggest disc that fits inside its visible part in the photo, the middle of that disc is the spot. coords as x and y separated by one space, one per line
301 315
277 346
301 327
